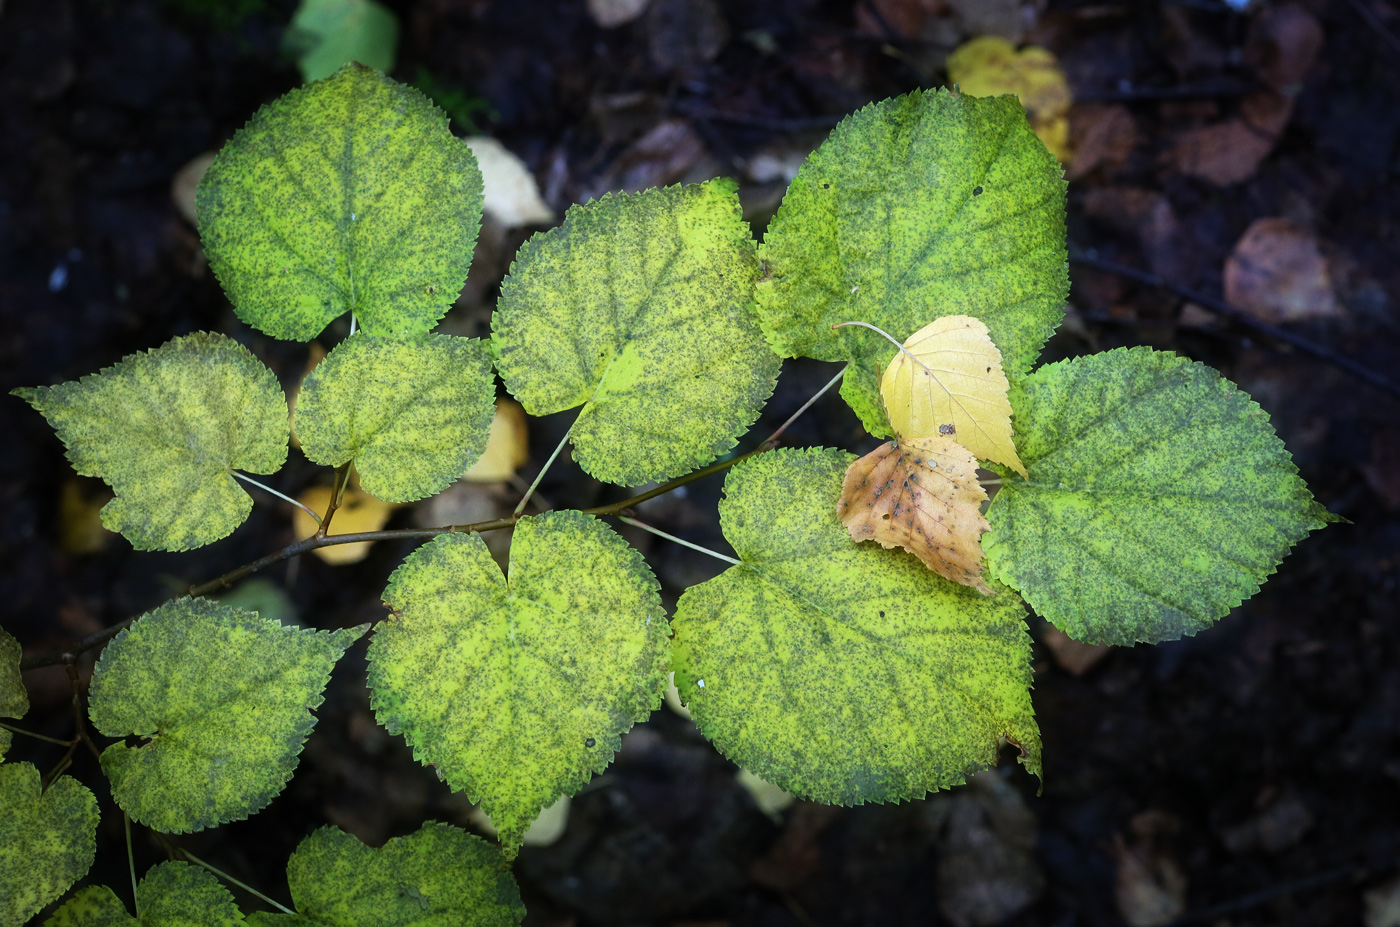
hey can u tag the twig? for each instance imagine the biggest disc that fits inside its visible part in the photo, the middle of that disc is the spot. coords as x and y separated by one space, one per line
1239 316
319 540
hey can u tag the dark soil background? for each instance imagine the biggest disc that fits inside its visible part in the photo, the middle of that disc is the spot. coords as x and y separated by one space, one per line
1248 776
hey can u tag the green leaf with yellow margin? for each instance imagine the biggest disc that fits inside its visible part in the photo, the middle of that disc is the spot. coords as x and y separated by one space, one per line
166 428
639 307
222 699
171 894
519 688
346 195
14 700
439 876
414 414
1159 498
845 673
930 204
47 841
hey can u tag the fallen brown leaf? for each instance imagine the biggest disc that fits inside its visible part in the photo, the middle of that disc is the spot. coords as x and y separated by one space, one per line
1278 274
920 494
1283 46
1231 151
1101 135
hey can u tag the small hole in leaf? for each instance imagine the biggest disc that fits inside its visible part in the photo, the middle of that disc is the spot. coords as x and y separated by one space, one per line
977 191
590 742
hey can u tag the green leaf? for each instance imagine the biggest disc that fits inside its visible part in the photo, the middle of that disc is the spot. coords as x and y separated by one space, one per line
346 195
519 689
928 205
328 34
46 841
1159 498
14 700
166 428
640 308
413 414
437 877
171 894
222 699
838 671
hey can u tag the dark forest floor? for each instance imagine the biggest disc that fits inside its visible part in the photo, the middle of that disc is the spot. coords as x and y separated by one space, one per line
1247 776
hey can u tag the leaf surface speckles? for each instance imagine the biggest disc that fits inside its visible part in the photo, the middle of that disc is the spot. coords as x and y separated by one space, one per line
165 429
934 203
346 195
1159 498
47 841
437 876
845 673
14 700
920 494
171 894
640 309
221 698
948 381
519 689
413 414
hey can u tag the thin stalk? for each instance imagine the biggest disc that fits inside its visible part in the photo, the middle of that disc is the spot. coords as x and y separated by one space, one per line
342 480
892 340
525 499
131 865
352 323
230 879
268 489
773 438
681 541
19 730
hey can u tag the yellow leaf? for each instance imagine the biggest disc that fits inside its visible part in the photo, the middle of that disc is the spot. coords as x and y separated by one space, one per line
990 66
947 381
359 511
920 494
507 448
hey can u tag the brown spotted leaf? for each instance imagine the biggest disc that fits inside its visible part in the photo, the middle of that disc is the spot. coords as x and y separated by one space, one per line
920 494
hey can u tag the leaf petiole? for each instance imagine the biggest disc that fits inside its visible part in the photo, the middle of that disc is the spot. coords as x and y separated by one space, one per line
231 880
525 499
681 541
268 489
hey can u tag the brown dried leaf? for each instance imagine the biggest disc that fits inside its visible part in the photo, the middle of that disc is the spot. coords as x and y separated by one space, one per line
920 494
1278 274
1230 152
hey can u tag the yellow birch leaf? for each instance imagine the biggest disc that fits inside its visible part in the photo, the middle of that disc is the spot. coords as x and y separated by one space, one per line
947 381
920 494
359 511
989 66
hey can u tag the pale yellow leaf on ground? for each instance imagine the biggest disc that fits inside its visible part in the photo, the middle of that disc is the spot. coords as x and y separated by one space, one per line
507 448
948 382
920 494
989 66
359 511
511 195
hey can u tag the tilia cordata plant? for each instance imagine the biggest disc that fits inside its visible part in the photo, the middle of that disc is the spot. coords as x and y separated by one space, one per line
860 648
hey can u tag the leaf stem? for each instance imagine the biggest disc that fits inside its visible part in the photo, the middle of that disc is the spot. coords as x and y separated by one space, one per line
353 326
131 865
525 499
892 340
342 480
268 489
230 879
21 731
773 438
681 541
